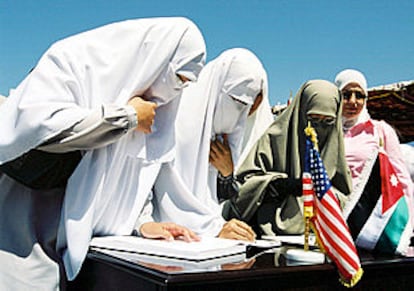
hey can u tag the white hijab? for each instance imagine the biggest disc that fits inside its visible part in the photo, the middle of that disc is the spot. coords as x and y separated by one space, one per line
2 99
109 64
207 109
345 78
256 125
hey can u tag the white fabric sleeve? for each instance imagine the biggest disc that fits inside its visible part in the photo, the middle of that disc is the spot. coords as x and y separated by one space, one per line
102 127
144 217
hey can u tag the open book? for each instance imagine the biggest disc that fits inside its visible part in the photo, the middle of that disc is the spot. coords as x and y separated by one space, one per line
209 251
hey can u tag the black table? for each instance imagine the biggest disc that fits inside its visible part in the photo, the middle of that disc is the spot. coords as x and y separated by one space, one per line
269 271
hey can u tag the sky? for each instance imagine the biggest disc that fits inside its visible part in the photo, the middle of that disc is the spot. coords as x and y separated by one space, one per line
295 40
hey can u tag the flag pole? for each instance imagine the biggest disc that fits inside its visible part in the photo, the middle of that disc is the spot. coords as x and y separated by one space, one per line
308 204
307 231
325 217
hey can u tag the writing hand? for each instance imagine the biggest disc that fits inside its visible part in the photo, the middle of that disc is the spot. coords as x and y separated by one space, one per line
237 229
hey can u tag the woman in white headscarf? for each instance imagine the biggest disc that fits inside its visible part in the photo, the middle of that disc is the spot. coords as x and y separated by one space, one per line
362 136
76 99
216 107
259 118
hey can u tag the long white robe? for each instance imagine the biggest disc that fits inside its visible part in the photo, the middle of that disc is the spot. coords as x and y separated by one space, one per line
218 103
75 76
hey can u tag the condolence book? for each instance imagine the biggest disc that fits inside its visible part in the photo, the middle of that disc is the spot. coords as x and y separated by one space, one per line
210 251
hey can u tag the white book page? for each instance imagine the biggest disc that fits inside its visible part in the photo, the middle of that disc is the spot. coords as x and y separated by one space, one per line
206 247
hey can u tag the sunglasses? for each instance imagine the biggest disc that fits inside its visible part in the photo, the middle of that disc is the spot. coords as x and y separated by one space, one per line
323 121
358 95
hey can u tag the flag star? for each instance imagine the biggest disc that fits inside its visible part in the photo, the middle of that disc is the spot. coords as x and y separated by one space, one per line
393 180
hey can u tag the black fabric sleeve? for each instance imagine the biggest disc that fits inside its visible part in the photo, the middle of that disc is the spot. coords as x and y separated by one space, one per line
279 189
227 187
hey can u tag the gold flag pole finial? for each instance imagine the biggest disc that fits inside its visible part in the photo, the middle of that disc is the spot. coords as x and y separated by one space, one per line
310 131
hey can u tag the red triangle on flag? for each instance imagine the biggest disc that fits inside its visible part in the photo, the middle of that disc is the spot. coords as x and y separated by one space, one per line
391 188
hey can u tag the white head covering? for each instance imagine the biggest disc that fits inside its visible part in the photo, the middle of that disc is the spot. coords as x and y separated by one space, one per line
256 125
76 75
345 78
348 76
206 110
2 99
109 64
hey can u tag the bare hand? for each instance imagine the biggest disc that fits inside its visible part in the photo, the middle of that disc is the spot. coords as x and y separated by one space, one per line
145 113
236 229
167 231
220 156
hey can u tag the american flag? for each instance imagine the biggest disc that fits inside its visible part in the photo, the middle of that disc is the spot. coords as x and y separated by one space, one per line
326 218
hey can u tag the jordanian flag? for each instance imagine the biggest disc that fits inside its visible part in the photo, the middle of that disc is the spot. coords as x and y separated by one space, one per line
380 219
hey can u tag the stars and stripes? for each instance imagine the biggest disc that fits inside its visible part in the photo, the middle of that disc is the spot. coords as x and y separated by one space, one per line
326 218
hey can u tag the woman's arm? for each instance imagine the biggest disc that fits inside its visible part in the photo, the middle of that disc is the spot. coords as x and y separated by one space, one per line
104 126
100 128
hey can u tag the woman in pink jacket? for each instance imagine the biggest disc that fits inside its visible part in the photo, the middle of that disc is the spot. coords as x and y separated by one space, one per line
364 139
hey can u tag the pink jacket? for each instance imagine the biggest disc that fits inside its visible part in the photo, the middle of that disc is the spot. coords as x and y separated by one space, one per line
362 140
